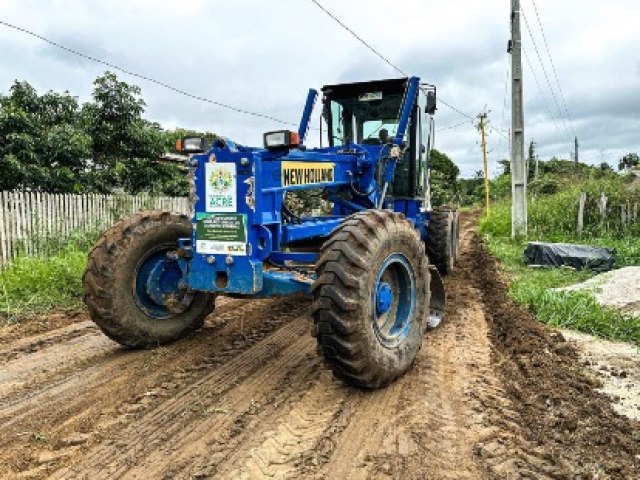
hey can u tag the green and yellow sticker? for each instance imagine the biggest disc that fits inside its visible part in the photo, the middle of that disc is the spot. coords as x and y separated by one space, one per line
307 173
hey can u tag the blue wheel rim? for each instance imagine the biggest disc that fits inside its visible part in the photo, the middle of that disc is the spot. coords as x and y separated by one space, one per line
156 278
393 300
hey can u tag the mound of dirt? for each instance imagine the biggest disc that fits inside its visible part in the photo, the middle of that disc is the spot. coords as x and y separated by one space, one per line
559 408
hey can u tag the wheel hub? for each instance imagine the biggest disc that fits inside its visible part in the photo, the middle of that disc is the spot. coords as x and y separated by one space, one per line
393 300
158 290
384 298
162 288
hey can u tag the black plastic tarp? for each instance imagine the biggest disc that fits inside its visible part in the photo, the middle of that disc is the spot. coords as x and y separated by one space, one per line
566 254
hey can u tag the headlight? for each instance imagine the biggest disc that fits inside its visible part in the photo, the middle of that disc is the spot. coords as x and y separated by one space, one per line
191 145
280 139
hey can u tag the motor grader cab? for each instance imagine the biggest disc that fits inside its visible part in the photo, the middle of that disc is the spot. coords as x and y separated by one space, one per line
359 112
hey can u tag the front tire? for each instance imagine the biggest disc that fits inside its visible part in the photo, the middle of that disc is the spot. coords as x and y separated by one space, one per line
115 282
371 298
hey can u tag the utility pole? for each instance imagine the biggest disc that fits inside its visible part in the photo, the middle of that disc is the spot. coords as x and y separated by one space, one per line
518 164
481 127
576 151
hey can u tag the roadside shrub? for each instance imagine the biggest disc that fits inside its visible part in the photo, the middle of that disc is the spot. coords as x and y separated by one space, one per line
545 185
35 285
30 286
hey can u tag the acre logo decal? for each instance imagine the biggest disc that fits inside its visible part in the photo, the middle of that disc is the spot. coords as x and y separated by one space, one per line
221 180
221 188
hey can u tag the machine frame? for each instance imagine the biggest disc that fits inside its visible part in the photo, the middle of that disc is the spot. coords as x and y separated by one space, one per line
257 179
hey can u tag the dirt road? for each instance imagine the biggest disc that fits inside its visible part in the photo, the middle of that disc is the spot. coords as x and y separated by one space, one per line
491 395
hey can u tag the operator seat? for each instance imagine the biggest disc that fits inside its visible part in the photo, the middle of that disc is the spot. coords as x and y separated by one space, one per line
401 185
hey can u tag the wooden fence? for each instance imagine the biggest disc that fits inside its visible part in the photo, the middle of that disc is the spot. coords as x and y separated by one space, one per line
613 217
34 223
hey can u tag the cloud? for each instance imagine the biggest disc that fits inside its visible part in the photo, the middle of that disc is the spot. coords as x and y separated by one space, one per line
263 56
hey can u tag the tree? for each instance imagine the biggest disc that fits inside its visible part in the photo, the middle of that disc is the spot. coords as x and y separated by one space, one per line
506 166
119 135
605 167
629 161
49 143
444 176
42 143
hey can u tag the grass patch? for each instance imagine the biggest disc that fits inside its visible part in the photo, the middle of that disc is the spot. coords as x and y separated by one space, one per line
532 287
36 285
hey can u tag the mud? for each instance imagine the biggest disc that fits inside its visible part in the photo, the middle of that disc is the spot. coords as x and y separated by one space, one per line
616 365
492 394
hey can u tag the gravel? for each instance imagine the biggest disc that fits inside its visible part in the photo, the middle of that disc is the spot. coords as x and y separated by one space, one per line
619 289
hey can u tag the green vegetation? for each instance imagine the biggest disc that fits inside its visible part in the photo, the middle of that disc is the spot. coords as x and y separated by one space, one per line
444 178
51 143
34 285
553 211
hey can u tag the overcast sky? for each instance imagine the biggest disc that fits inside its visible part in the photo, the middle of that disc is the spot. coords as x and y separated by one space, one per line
265 55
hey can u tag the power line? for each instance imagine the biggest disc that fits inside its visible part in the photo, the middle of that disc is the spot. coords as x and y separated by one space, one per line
546 75
143 77
542 95
553 67
382 57
504 109
451 127
541 91
499 131
455 109
337 20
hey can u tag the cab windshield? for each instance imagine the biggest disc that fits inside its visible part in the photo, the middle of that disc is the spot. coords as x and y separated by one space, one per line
369 118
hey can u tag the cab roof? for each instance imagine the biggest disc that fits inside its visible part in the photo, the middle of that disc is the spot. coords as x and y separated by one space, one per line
348 90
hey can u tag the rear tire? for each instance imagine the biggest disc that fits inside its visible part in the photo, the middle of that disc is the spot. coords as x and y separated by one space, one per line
442 243
371 298
112 284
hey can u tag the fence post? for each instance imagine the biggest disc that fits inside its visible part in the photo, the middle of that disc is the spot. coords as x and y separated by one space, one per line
602 207
583 200
28 217
9 225
3 238
35 223
20 226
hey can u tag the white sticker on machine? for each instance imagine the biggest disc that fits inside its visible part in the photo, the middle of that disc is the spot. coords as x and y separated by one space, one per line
220 187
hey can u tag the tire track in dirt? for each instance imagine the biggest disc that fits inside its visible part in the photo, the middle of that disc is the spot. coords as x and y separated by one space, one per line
101 394
281 451
36 376
192 418
38 342
36 365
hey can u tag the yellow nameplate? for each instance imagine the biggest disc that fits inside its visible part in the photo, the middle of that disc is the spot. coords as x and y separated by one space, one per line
306 173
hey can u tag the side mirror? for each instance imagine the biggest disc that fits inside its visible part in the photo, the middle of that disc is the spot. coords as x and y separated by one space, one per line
431 103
